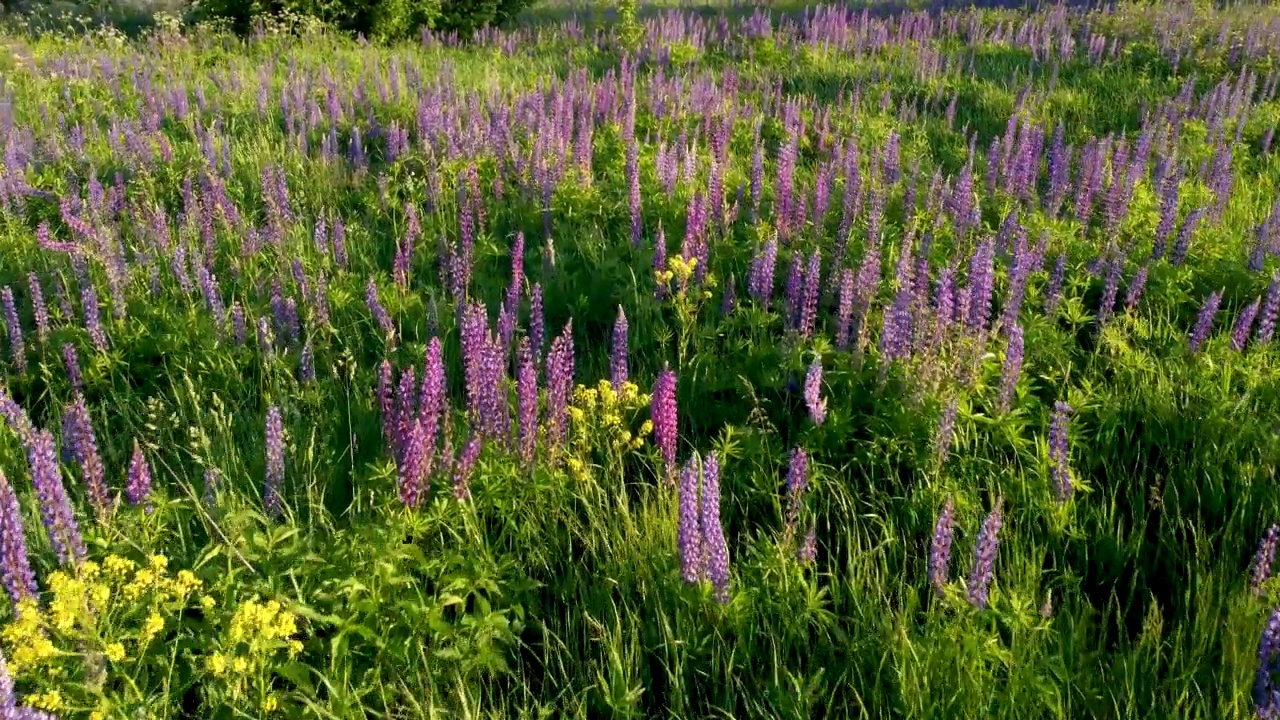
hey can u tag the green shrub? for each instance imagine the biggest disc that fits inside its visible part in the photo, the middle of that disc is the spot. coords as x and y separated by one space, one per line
382 19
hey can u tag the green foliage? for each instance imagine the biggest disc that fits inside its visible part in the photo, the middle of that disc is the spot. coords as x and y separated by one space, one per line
383 19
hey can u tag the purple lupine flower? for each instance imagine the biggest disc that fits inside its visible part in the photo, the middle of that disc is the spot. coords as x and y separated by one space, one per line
55 506
813 392
1204 322
844 309
795 290
663 411
1269 312
17 349
618 364
271 501
432 404
940 548
1134 292
1265 693
526 404
462 469
406 414
72 362
340 242
1263 559
307 364
1110 288
946 428
1012 367
239 326
689 532
808 550
1244 325
984 557
1180 246
812 288
15 565
797 479
386 394
714 547
1053 294
213 297
92 316
38 307
560 364
1059 450
760 284
380 315
81 445
411 463
138 490
537 323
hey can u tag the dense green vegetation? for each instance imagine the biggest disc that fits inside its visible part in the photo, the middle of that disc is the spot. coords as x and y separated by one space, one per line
961 320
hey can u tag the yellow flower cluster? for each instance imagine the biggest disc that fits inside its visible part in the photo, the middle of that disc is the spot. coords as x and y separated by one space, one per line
678 269
257 631
91 608
600 419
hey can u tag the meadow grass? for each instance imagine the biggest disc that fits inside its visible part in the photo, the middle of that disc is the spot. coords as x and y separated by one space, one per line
142 177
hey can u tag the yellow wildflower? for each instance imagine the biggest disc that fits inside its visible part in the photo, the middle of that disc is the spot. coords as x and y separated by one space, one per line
207 603
240 665
51 701
153 625
217 664
295 647
159 563
117 566
115 652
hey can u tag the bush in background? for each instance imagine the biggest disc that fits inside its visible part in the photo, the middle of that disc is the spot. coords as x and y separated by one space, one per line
382 19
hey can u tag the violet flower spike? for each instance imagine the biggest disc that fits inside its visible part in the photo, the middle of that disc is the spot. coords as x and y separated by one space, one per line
715 549
15 564
139 487
1263 559
940 548
271 501
618 364
813 392
985 557
689 531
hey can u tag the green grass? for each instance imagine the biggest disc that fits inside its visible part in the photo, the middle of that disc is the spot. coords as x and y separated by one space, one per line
555 590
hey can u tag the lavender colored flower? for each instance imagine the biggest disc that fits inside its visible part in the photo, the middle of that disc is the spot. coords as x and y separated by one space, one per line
55 505
808 550
462 470
946 428
386 391
72 362
985 557
797 479
1134 292
1012 367
239 329
15 565
1204 322
138 490
380 315
663 411
210 487
80 444
618 364
1263 559
844 309
1265 693
537 323
307 364
713 542
1244 326
560 362
526 404
760 284
17 349
1059 451
38 307
689 531
1110 288
1053 294
813 392
1180 246
812 289
940 548
271 501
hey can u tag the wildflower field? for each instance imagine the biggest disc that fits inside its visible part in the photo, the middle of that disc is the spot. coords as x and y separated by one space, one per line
715 362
